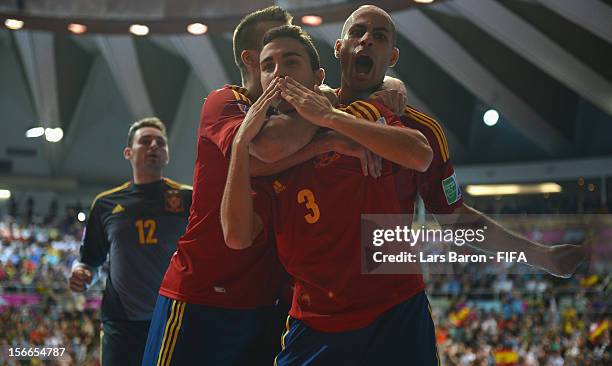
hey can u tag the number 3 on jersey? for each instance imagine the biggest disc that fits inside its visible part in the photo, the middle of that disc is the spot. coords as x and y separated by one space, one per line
306 196
146 231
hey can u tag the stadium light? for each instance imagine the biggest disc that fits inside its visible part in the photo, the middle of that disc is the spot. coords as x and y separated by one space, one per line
81 216
197 29
77 28
512 189
424 1
139 29
490 117
5 194
54 134
14 24
312 20
35 132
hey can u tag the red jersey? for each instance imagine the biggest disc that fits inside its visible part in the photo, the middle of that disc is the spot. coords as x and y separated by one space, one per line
316 209
437 186
204 270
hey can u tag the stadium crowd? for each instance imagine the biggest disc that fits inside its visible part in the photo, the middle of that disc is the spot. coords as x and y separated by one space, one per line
522 320
36 308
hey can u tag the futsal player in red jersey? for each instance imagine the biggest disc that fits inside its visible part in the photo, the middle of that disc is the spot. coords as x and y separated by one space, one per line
438 185
215 303
338 315
439 188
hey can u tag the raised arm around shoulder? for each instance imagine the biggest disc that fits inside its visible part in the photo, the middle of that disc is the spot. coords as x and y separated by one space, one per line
404 146
401 145
239 222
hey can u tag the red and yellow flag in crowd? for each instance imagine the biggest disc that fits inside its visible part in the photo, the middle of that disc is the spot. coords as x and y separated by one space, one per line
458 317
506 357
597 330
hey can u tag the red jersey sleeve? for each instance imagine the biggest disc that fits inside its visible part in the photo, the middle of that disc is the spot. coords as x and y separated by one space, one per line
261 191
438 186
375 111
222 113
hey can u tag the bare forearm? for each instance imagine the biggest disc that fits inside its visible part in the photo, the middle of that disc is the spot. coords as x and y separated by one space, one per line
499 239
281 137
560 260
404 146
258 168
237 215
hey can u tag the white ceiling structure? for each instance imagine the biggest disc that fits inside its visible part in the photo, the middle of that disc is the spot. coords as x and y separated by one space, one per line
543 64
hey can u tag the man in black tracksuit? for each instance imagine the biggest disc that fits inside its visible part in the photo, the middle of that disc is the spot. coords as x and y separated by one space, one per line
139 224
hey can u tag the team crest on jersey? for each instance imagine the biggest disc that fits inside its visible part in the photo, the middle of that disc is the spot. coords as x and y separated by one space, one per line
174 202
382 121
278 187
326 159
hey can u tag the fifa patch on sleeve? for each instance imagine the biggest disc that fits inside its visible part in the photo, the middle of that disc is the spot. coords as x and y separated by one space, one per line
452 192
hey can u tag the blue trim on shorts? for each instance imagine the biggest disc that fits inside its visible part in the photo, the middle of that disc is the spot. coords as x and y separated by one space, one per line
192 334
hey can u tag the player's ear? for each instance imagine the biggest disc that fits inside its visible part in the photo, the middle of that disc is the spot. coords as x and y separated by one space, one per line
319 76
248 58
337 48
127 153
394 57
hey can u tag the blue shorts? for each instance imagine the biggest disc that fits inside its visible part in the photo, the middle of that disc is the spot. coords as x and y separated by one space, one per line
404 335
189 334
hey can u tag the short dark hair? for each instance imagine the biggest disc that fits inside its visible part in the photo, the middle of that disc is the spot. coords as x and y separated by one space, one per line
245 35
145 122
297 33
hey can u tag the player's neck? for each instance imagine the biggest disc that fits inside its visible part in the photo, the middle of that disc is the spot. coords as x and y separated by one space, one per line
253 87
348 95
147 177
